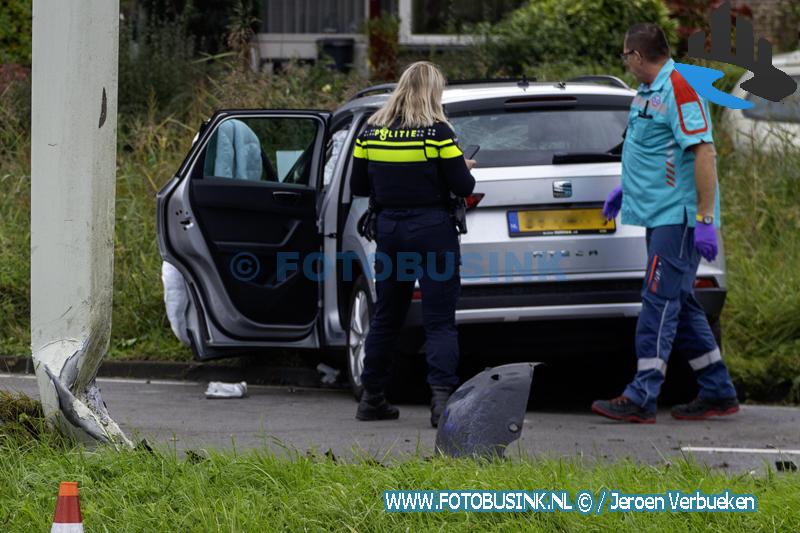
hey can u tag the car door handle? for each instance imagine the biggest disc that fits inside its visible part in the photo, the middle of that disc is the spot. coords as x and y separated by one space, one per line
286 197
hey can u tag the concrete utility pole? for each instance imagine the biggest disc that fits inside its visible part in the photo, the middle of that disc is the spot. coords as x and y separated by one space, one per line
73 172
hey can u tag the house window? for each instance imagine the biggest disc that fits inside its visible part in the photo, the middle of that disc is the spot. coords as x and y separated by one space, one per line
312 16
450 17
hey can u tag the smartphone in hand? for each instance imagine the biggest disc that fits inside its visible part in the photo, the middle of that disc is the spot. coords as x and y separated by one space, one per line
471 150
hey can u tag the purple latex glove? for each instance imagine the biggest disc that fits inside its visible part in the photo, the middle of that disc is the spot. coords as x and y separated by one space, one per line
613 203
705 240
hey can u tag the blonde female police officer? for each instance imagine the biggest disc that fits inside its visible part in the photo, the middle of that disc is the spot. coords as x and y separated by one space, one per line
408 161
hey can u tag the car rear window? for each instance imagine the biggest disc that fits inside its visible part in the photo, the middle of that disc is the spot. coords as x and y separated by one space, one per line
787 110
517 138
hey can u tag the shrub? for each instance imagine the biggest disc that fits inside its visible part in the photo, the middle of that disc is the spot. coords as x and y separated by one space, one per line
156 63
573 32
785 21
383 35
694 15
16 21
208 22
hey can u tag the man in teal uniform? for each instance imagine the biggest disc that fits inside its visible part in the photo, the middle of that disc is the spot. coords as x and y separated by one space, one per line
669 186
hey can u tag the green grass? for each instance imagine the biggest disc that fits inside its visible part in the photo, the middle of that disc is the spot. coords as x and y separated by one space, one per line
296 491
760 210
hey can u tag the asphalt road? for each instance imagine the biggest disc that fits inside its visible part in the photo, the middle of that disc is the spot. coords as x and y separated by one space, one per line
177 415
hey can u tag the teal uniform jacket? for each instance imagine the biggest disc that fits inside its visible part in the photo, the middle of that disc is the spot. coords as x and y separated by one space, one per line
658 184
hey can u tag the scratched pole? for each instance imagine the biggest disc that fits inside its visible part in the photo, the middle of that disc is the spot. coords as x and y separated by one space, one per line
73 170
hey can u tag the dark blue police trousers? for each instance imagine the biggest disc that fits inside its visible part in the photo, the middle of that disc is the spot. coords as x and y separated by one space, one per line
419 243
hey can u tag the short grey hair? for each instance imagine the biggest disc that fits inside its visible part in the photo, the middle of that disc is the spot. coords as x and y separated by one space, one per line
649 40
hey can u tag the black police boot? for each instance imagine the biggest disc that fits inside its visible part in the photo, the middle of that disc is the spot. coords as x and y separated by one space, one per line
373 406
622 408
439 397
703 408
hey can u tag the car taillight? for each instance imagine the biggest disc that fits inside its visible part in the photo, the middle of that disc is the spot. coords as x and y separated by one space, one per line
473 200
416 295
705 283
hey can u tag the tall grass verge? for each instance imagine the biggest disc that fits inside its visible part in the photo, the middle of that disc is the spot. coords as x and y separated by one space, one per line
15 141
761 228
261 491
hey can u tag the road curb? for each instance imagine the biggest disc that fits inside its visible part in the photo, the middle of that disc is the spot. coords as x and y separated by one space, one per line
186 371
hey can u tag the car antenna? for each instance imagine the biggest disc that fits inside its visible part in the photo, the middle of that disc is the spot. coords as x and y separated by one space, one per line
523 83
561 85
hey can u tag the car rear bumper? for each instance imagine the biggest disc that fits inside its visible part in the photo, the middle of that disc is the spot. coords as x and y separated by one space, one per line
556 300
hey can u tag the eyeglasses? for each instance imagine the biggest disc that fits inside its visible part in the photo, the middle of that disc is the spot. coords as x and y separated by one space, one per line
624 55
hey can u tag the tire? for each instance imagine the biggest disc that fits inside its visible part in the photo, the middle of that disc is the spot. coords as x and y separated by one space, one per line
360 315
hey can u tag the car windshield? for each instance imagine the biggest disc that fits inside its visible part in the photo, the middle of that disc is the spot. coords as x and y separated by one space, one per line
787 110
533 137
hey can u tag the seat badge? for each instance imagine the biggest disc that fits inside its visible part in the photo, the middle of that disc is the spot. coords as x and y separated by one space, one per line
562 189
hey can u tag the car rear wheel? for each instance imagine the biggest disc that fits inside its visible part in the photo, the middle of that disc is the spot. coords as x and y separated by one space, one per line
361 306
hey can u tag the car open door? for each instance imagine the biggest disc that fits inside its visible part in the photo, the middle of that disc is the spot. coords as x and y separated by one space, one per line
239 221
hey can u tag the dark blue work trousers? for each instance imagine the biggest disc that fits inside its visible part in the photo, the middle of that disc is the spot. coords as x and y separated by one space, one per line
420 243
671 317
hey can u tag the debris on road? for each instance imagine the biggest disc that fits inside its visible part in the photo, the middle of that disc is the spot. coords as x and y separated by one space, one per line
486 413
221 390
327 374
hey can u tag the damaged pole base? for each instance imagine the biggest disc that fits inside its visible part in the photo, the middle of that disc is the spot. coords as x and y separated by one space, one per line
485 414
76 408
89 415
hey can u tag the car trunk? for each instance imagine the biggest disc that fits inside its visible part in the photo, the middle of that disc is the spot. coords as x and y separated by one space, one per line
546 164
492 251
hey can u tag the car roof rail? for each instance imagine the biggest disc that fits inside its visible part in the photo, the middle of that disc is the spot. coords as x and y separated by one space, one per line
600 78
376 89
522 81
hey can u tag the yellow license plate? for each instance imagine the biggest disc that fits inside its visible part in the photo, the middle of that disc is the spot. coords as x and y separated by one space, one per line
559 222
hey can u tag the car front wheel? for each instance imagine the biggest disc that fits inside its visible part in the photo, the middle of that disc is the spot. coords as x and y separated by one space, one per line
361 306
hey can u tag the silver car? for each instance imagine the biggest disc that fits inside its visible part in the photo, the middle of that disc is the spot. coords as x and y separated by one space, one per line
767 124
260 224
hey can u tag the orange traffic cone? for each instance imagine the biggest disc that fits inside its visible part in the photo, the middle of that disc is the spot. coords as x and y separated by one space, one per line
68 510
